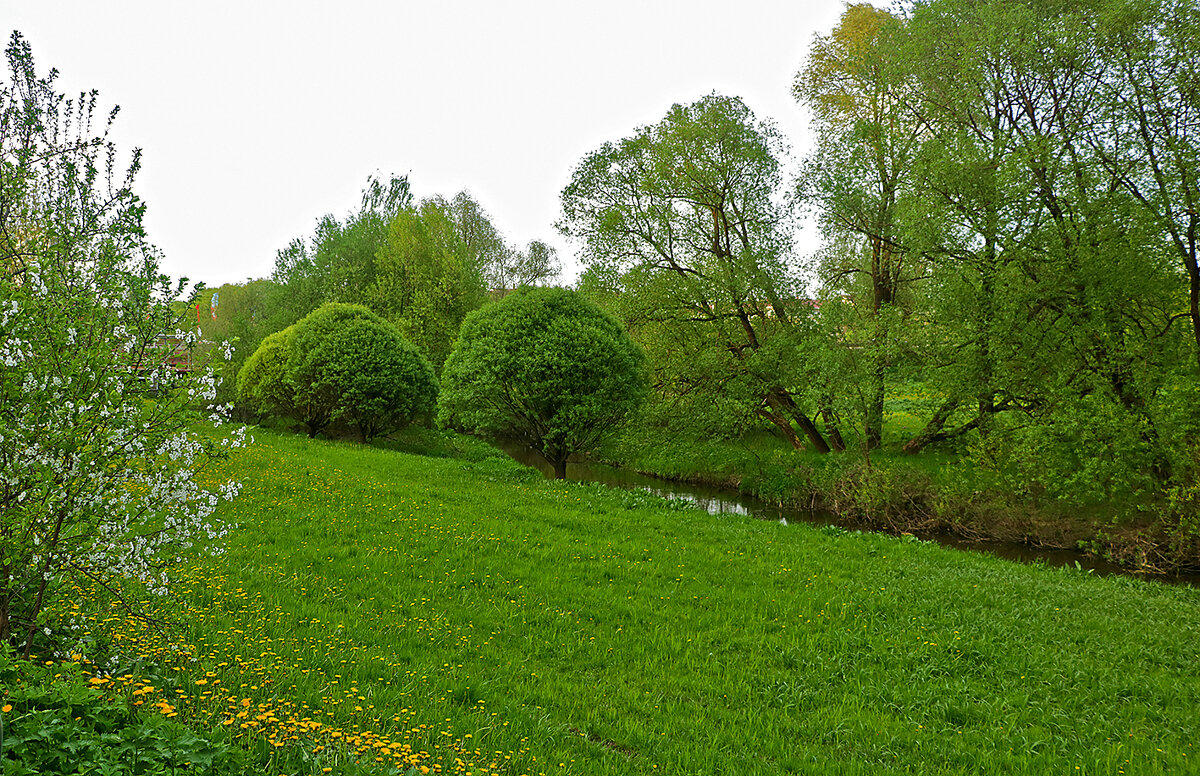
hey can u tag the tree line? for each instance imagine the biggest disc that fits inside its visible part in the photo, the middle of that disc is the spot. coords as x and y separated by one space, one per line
1007 197
422 266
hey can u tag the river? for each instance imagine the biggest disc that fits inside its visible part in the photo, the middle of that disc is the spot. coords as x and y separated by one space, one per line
726 501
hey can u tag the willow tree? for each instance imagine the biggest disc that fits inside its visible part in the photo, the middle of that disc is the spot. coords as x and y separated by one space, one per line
1148 69
686 214
546 367
859 179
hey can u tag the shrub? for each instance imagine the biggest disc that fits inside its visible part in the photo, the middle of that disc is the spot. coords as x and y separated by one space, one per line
262 383
546 367
341 362
99 441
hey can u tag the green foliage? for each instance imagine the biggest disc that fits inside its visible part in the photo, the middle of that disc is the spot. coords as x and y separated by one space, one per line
383 381
338 263
859 180
244 315
502 266
427 279
546 367
422 266
340 363
100 375
262 381
59 724
687 237
1002 190
311 375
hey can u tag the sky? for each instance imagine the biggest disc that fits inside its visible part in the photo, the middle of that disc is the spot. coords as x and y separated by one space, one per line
257 118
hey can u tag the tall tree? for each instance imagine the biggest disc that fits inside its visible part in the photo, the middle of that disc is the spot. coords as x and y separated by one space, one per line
686 212
474 225
338 263
1049 288
502 266
426 279
1149 73
858 177
969 169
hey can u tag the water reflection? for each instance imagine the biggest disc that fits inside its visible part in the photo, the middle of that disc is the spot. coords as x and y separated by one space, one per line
722 501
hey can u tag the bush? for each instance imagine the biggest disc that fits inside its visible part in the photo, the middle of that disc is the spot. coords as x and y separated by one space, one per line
99 440
383 382
546 367
54 722
340 363
262 380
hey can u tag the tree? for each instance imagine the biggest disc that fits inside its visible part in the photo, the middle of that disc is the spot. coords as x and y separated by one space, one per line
858 177
99 443
502 266
1149 72
685 218
340 363
538 264
490 253
245 314
383 381
426 279
1004 190
422 266
338 263
546 367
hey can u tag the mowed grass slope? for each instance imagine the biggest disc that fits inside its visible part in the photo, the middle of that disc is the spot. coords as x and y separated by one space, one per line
467 617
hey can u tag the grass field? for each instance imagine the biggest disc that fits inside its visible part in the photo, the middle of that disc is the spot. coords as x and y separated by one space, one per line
417 614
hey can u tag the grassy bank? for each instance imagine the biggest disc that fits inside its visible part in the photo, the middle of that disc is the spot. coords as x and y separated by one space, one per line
415 614
900 493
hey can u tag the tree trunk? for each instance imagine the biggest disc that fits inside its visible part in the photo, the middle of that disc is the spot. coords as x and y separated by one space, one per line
1193 271
983 365
831 425
560 468
933 429
873 422
781 400
783 425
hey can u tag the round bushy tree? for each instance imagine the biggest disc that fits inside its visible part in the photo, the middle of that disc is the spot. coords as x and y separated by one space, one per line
382 380
546 367
340 362
314 384
262 383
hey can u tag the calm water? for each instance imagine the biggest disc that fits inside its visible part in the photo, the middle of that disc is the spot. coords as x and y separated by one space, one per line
725 501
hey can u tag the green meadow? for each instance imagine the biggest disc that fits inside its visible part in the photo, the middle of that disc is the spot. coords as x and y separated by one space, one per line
412 614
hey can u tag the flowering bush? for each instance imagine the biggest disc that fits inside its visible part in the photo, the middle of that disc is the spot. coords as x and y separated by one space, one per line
99 440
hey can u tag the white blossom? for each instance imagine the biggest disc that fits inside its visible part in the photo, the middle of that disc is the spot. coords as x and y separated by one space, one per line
98 453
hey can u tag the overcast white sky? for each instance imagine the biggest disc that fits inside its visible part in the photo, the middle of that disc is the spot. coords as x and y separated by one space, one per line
255 118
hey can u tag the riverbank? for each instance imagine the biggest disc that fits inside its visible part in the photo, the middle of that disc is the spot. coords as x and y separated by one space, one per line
377 610
901 494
